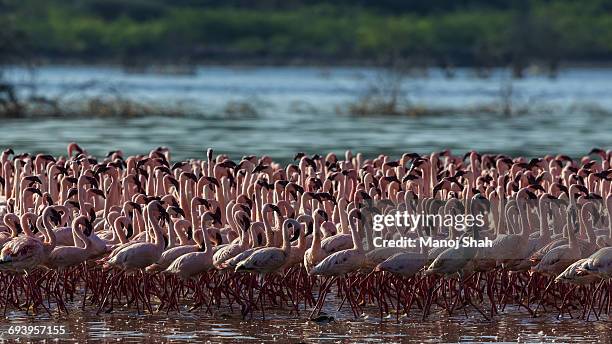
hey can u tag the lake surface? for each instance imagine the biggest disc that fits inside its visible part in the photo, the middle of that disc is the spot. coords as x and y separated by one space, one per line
303 109
129 327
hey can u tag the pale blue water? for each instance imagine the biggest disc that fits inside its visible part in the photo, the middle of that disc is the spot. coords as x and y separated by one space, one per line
301 109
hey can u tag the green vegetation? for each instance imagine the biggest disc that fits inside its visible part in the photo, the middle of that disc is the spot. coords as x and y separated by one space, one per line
435 32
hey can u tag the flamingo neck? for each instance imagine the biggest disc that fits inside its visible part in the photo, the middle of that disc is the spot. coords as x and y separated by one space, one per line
588 225
206 241
25 225
158 233
268 231
357 244
544 231
172 232
12 225
119 232
49 233
523 209
571 234
81 196
286 243
343 216
302 239
78 234
316 236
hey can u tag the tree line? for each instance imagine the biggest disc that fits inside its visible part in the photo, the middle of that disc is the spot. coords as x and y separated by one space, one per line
479 33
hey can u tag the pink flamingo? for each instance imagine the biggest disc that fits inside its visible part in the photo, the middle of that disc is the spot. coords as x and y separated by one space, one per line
192 264
26 252
67 256
270 259
142 254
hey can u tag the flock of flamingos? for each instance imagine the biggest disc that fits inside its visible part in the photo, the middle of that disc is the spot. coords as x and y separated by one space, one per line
254 236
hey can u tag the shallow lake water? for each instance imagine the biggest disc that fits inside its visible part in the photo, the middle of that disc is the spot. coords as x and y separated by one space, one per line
301 109
186 327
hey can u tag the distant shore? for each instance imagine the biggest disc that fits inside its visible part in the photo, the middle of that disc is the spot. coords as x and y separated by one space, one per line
445 34
284 62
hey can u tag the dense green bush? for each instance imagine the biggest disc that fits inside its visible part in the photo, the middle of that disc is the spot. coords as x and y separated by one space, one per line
436 31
